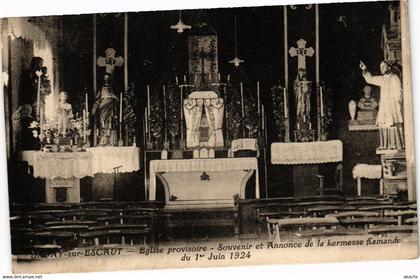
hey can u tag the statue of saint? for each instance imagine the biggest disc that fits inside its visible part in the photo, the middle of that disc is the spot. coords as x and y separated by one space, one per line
367 102
302 91
64 114
105 111
390 118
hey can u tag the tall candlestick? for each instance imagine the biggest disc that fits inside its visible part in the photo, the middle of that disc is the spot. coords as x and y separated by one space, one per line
263 118
38 96
286 113
86 102
218 77
321 101
242 101
121 105
165 116
148 100
84 126
146 122
185 79
298 126
258 96
125 51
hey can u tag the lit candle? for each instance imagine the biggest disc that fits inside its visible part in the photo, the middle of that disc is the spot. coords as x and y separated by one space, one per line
310 126
218 77
121 101
258 96
228 78
286 113
298 126
176 80
321 101
185 79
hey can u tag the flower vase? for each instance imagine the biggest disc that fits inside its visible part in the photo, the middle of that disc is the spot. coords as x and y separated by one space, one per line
352 110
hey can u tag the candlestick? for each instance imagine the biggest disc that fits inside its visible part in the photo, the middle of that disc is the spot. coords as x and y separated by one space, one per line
121 105
321 101
298 126
84 126
310 126
258 96
38 96
286 113
218 77
228 78
86 102
262 118
242 100
176 80
185 79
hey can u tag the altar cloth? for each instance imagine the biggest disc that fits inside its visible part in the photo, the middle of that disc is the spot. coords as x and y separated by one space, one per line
105 159
62 164
218 165
300 153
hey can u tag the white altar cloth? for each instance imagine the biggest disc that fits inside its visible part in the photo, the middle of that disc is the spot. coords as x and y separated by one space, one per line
104 159
219 165
299 153
62 164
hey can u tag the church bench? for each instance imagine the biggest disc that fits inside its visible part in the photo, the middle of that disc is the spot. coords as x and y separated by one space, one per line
94 236
382 208
353 214
321 211
71 222
413 206
38 249
382 230
322 233
400 214
410 221
85 215
275 225
66 239
367 197
370 202
33 219
71 228
367 222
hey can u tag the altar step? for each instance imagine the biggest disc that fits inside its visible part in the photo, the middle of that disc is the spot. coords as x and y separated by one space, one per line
195 223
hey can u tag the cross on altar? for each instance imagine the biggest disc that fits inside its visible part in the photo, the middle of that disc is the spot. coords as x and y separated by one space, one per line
301 52
110 61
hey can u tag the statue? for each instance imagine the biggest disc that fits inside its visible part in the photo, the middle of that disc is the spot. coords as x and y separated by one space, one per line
105 111
302 92
390 119
367 102
64 113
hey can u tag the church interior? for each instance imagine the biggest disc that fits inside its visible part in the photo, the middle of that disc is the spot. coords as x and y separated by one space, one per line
150 127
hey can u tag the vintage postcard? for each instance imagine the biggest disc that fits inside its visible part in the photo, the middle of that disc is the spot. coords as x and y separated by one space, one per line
209 137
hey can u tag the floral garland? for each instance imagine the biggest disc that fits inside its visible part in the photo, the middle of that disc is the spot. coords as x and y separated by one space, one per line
278 111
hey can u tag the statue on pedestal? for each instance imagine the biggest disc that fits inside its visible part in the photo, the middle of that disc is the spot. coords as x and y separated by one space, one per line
302 92
390 118
367 105
105 111
64 114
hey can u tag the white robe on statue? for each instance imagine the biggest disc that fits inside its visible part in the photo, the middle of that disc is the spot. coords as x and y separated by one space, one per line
390 103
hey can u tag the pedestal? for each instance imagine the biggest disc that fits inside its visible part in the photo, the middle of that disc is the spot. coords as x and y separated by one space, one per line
66 190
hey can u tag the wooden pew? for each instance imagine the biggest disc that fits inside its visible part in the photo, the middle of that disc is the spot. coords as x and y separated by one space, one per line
276 224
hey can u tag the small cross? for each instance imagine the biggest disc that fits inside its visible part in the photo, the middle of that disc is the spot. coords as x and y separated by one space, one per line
110 61
301 52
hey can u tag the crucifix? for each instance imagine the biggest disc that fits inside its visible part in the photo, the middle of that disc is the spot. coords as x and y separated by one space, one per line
301 52
110 61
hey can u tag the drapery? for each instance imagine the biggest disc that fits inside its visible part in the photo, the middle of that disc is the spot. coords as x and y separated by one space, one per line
214 111
193 109
214 115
